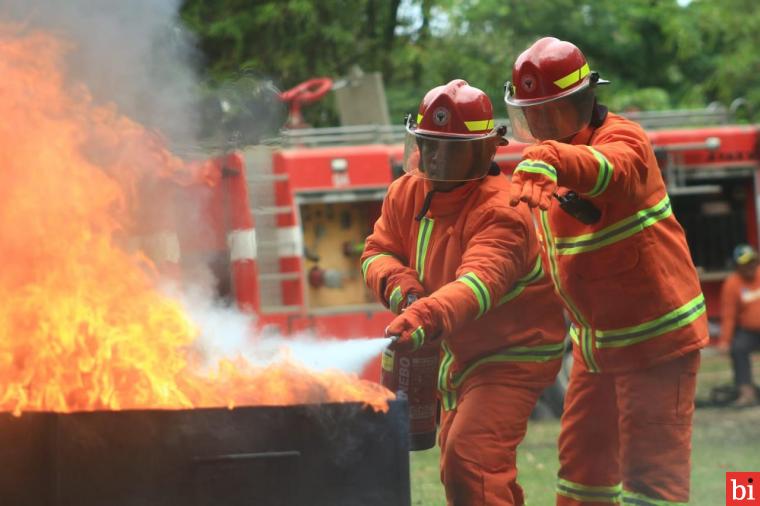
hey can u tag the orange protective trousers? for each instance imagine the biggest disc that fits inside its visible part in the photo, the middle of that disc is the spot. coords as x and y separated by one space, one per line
629 428
479 441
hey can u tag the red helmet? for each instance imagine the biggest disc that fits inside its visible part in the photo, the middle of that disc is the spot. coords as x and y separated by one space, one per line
551 95
453 138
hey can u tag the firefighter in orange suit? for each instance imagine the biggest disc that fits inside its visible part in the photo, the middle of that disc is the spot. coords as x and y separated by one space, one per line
620 263
740 321
448 236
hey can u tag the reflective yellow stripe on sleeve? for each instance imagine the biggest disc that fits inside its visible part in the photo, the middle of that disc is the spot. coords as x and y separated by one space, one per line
418 338
537 167
534 275
479 289
604 175
395 299
368 262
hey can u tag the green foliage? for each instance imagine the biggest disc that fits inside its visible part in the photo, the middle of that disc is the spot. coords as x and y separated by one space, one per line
643 99
729 50
659 54
289 41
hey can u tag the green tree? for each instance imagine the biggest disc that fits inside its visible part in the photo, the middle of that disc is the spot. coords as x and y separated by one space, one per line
293 40
721 51
657 53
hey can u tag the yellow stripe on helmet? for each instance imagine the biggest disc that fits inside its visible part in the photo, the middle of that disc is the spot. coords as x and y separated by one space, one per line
573 77
479 125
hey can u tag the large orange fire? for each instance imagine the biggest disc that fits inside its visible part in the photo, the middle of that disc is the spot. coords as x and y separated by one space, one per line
82 326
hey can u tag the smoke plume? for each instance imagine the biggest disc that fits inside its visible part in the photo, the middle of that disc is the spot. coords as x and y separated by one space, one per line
133 53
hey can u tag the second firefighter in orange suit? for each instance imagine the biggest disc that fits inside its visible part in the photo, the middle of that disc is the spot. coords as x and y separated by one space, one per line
447 235
626 277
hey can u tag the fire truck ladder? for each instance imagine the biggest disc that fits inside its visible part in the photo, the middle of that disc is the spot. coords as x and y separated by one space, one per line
261 179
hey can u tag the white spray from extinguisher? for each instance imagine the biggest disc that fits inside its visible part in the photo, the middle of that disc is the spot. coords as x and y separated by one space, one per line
323 354
225 332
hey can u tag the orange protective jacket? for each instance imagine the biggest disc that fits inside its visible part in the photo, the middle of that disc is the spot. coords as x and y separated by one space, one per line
739 306
628 281
477 259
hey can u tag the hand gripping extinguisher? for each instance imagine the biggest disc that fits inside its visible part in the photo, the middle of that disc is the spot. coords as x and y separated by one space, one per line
412 375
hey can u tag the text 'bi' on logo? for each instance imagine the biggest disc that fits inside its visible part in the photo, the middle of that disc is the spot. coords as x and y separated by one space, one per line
743 489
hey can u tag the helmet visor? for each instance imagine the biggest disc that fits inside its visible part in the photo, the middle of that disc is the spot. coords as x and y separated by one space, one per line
449 159
554 119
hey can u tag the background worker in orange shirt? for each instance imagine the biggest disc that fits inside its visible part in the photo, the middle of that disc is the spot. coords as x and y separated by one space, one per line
620 262
447 235
740 321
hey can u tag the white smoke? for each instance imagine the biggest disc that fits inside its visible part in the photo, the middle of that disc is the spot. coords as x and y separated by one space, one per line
133 53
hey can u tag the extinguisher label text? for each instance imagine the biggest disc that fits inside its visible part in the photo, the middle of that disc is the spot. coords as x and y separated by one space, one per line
403 373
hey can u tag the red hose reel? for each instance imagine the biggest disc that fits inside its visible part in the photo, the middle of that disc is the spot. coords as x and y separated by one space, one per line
305 93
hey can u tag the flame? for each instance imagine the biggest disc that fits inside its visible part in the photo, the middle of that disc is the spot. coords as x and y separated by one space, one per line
82 324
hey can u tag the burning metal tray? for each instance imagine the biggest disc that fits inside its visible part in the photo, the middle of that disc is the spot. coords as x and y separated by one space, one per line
322 454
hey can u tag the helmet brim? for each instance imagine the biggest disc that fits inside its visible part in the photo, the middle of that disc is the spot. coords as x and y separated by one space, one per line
449 158
556 118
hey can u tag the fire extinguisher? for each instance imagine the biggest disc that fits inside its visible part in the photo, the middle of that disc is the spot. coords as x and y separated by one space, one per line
412 375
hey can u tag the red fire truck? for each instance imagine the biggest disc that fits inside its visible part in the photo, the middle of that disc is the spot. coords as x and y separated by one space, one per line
311 198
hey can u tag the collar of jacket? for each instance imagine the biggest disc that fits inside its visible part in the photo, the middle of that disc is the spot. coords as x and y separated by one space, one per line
598 116
450 202
584 136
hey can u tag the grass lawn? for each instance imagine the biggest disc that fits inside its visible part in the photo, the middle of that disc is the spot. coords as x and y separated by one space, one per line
724 440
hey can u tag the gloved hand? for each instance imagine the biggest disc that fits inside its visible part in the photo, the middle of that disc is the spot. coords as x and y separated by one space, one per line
534 181
401 289
417 325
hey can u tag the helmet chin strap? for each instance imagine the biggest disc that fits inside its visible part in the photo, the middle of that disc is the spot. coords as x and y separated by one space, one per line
598 114
425 205
493 170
